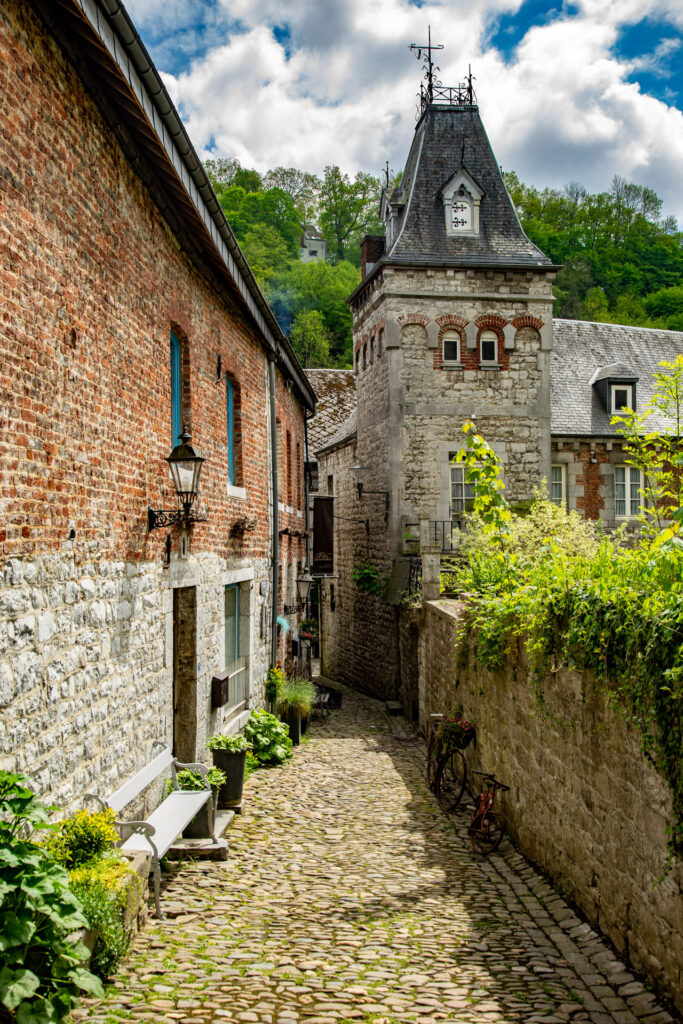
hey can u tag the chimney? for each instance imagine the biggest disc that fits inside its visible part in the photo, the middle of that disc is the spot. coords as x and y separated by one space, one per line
371 251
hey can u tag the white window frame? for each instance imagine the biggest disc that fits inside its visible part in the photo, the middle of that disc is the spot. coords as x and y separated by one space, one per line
630 496
482 339
450 336
467 489
628 388
562 502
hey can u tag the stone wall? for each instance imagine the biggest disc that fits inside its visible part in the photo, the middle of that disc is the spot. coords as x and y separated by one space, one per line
584 803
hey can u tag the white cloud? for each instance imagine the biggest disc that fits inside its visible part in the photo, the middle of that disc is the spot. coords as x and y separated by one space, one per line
560 110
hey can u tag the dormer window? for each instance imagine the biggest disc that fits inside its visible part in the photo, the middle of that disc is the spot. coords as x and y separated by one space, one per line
622 397
461 197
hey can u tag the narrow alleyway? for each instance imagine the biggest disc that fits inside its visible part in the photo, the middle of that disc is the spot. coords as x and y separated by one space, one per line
349 896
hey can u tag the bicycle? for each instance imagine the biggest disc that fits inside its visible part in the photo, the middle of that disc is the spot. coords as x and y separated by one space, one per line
486 828
450 779
433 744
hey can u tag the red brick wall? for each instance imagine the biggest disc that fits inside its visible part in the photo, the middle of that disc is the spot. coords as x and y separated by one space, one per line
91 282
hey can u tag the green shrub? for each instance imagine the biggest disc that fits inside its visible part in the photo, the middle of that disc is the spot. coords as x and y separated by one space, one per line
252 764
269 738
296 694
41 967
366 577
274 681
85 835
234 744
194 781
101 888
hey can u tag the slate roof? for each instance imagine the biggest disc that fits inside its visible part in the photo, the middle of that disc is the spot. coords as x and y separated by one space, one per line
581 348
335 392
447 139
346 432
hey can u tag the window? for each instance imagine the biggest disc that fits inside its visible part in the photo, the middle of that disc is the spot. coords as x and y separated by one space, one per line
176 391
488 347
230 413
621 396
462 212
288 468
462 493
451 347
557 484
278 456
627 497
232 623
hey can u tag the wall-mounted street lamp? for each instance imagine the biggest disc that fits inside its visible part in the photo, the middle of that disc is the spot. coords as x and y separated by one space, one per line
186 467
360 473
303 586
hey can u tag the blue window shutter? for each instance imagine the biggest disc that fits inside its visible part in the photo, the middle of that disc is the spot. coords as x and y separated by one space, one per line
230 408
176 397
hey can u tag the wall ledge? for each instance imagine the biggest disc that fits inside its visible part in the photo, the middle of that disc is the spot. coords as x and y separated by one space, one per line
446 608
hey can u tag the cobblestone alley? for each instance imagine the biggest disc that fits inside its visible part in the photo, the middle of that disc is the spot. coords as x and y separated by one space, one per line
349 896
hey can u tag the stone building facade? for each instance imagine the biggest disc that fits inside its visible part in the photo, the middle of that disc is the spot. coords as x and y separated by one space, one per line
126 309
452 322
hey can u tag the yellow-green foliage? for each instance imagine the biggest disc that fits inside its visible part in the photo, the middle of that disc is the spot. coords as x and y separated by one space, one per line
111 871
78 839
102 889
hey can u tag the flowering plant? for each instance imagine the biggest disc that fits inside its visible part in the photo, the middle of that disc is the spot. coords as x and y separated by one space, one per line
308 630
456 730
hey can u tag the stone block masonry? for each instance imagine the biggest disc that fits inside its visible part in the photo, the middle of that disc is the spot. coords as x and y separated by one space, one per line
585 804
94 279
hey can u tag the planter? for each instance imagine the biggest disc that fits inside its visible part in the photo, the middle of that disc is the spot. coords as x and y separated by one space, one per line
201 826
293 721
233 764
304 723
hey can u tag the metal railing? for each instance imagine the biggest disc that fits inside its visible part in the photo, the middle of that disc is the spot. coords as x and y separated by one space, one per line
238 688
442 533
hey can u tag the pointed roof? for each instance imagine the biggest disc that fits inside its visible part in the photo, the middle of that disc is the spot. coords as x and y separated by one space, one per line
450 140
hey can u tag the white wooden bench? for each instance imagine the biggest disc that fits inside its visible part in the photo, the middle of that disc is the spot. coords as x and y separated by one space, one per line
161 828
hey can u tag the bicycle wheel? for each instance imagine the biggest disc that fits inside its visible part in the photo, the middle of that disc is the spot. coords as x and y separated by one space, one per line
488 839
449 783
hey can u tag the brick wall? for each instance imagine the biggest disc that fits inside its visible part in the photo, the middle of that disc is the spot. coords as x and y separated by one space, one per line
92 283
585 804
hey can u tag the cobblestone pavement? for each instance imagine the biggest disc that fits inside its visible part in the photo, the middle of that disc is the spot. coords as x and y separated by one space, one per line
348 896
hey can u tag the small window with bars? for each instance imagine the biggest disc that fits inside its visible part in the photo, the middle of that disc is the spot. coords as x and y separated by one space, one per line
627 497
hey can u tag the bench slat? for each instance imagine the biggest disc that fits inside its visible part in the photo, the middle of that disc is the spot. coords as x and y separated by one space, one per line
123 796
169 820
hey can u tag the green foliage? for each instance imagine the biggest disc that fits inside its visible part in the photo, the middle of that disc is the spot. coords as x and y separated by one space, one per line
346 209
252 764
191 780
85 835
101 887
310 338
274 681
236 744
308 630
367 578
41 967
658 454
622 262
296 694
585 602
269 738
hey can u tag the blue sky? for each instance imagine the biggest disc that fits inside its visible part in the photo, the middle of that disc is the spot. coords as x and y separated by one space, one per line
569 91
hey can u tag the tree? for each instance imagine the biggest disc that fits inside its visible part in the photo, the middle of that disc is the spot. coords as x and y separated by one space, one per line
310 338
301 187
266 252
345 209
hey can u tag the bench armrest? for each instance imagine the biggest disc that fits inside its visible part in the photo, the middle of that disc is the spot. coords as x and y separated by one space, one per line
141 828
201 769
100 801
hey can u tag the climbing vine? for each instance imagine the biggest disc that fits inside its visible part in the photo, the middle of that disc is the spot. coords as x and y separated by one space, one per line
575 597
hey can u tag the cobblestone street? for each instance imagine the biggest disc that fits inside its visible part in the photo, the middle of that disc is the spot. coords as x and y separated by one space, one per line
349 896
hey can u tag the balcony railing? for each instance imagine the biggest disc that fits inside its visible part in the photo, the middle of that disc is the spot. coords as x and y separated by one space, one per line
442 533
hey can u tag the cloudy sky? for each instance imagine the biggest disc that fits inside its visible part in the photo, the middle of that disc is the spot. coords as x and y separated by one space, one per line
572 91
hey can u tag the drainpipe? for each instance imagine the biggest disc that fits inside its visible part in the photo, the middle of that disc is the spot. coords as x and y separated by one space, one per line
276 499
307 491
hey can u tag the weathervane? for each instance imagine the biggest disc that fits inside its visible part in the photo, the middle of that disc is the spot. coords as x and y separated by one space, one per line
419 49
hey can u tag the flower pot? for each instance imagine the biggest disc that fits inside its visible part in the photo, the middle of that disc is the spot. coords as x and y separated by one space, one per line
201 826
304 723
293 720
233 763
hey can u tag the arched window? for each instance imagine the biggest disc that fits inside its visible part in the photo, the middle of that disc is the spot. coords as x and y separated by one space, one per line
488 348
450 347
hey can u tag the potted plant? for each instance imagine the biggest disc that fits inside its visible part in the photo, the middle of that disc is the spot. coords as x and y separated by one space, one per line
230 756
201 826
308 632
456 731
294 703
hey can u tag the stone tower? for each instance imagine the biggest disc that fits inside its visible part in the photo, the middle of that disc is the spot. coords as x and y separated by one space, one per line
452 321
